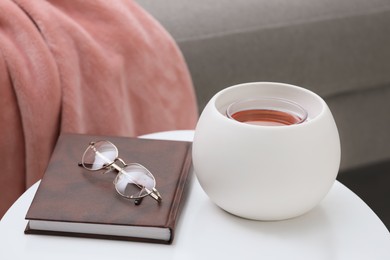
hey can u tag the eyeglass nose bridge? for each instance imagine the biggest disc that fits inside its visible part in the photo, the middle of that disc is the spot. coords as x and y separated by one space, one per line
115 166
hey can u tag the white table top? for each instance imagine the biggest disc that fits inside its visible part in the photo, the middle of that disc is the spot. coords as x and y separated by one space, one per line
341 227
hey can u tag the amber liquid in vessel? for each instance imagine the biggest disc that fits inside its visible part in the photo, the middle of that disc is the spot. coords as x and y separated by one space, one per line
266 117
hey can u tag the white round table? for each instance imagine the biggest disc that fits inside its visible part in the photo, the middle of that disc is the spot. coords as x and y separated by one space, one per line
342 226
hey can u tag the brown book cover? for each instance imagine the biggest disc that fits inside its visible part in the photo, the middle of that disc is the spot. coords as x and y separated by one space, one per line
72 201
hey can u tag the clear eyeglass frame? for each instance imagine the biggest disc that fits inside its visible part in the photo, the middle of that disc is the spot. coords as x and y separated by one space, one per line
133 181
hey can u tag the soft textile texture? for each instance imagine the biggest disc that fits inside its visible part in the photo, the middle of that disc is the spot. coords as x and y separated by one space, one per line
97 67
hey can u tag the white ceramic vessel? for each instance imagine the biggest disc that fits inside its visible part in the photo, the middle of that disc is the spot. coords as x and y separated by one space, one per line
266 172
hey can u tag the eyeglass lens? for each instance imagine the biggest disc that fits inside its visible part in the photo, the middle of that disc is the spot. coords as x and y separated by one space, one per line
99 155
134 181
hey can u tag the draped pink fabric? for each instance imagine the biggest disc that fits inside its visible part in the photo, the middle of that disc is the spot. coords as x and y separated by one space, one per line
97 67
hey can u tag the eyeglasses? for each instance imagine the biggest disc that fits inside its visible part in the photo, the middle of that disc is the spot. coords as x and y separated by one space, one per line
133 181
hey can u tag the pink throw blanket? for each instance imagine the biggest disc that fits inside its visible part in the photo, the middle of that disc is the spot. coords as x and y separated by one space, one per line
97 67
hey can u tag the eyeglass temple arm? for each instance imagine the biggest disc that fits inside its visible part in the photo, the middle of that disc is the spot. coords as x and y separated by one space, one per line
155 194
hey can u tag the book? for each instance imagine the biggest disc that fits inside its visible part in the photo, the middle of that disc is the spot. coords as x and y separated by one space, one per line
73 201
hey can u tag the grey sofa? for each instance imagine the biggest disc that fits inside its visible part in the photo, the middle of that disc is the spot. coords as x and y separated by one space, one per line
339 49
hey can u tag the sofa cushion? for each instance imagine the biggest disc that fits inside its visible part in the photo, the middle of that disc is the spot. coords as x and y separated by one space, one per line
330 47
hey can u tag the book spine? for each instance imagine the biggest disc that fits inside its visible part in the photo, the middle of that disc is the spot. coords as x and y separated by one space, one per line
181 191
